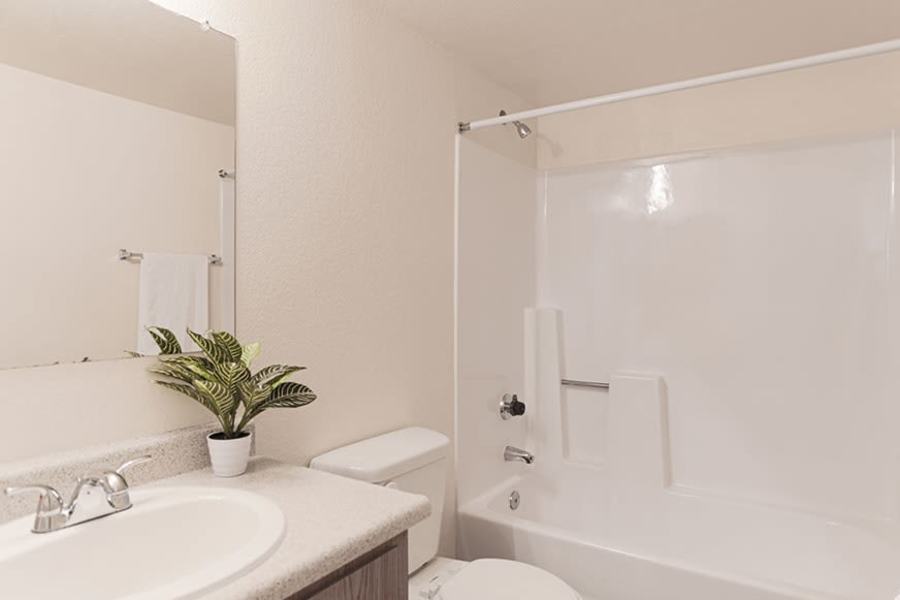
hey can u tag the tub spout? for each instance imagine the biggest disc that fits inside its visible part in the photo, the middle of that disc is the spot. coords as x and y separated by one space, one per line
511 453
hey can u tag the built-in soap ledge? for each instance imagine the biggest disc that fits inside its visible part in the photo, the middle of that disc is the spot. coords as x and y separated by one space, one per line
173 452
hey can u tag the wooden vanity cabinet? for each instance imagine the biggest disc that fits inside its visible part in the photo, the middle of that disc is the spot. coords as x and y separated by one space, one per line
379 574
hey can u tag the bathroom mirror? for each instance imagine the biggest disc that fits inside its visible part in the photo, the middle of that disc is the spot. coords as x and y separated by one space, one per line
117 126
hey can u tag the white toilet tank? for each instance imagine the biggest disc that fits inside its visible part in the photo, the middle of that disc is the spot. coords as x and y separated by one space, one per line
413 460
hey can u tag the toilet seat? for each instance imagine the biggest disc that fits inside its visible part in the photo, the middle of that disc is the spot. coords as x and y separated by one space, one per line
496 579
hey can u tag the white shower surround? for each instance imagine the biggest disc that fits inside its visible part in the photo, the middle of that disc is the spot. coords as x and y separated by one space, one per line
741 304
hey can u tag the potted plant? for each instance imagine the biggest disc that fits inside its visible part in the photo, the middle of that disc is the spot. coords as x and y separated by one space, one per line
221 380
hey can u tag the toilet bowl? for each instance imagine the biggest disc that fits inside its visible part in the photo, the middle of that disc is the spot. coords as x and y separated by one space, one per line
415 460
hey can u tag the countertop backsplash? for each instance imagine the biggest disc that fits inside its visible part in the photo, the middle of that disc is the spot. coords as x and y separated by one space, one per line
173 452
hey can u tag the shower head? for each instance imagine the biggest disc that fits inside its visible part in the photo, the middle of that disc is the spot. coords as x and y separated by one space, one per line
521 128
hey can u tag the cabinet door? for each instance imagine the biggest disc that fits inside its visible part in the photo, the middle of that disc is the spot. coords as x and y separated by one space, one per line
378 575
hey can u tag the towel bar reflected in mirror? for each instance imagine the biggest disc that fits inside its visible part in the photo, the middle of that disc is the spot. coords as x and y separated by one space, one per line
214 259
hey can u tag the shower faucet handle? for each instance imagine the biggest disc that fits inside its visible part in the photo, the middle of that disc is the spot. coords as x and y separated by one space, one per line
511 407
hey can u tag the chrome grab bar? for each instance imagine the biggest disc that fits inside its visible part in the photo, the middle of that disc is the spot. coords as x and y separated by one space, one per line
588 384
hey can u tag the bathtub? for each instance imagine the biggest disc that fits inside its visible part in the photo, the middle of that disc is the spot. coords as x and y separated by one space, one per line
677 545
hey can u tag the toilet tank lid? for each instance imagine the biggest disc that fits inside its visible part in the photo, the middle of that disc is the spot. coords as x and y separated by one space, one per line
384 457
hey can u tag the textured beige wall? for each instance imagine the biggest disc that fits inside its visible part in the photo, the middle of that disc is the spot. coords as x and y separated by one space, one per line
345 231
846 98
345 213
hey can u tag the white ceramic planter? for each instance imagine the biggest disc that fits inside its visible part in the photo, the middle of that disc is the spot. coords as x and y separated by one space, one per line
229 457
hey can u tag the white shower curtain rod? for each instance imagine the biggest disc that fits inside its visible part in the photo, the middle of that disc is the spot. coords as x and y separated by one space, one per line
655 90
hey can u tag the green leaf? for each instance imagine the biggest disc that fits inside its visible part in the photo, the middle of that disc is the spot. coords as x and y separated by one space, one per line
210 348
174 371
219 395
250 352
285 395
191 392
275 374
186 359
289 395
198 365
253 393
229 345
231 374
165 339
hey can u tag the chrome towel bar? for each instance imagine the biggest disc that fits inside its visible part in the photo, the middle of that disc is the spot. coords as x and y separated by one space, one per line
214 259
589 384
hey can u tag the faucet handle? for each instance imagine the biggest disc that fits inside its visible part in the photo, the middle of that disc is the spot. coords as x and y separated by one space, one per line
50 499
49 514
120 470
115 480
115 484
510 407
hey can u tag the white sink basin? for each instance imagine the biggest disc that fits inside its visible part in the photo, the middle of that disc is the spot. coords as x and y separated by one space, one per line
175 542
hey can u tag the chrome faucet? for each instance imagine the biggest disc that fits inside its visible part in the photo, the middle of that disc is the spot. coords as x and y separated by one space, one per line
93 497
511 453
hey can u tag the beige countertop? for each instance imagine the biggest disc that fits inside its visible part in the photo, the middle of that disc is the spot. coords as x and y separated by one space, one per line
330 521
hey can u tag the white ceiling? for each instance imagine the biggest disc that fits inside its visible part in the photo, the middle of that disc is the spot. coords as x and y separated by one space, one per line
130 48
551 51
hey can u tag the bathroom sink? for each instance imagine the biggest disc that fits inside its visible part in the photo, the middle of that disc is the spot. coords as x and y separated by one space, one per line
175 542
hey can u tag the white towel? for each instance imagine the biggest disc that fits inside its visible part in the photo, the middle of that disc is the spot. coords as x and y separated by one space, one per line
174 293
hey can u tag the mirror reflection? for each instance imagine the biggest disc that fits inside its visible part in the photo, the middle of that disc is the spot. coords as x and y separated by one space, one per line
116 178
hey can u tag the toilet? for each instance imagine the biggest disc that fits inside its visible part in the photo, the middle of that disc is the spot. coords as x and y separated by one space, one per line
415 460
